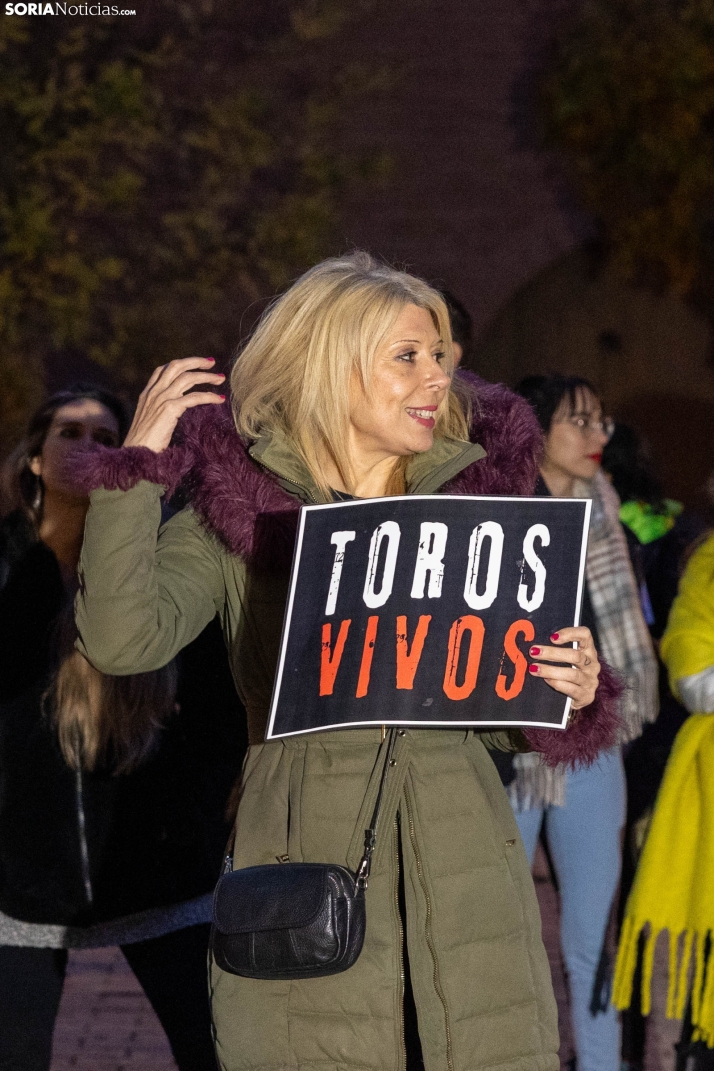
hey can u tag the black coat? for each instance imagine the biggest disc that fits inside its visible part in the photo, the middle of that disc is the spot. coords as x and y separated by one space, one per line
82 848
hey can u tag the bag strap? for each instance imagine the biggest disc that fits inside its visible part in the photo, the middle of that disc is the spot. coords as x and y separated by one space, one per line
370 835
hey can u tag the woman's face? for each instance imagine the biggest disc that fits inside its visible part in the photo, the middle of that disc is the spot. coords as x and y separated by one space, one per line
397 416
576 438
75 424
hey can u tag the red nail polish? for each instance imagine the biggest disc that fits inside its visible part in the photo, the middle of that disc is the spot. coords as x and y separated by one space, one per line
222 397
555 637
535 651
211 359
533 669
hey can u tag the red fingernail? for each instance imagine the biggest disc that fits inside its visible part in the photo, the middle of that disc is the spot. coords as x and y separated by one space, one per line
535 651
533 669
555 636
211 359
222 397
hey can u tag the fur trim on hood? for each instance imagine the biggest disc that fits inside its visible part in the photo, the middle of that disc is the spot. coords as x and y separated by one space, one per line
231 492
209 461
245 507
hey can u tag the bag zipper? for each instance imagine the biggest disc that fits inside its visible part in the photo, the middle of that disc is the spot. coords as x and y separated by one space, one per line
427 930
403 1046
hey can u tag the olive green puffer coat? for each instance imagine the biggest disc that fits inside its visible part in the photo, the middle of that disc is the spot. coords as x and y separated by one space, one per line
479 973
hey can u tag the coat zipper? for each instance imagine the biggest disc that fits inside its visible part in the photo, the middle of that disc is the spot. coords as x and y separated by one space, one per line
82 831
427 929
402 1042
299 487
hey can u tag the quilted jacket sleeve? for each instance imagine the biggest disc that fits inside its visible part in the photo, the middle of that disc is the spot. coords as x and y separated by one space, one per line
143 596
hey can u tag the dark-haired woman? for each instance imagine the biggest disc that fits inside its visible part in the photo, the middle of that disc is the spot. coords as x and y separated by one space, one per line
345 388
584 810
111 797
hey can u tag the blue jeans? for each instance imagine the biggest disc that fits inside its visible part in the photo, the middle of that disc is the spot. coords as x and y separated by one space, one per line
584 841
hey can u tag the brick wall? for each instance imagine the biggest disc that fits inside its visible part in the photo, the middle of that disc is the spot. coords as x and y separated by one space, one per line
477 205
473 202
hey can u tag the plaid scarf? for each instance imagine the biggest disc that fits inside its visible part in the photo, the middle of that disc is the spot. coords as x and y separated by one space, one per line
625 642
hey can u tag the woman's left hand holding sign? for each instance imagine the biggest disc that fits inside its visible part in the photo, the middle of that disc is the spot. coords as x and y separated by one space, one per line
578 679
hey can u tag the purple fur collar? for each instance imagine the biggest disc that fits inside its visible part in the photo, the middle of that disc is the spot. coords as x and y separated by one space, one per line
244 506
230 491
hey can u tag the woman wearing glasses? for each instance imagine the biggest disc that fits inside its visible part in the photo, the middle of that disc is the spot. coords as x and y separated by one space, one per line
584 811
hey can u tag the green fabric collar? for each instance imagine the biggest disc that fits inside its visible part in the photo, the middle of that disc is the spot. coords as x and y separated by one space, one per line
274 452
426 472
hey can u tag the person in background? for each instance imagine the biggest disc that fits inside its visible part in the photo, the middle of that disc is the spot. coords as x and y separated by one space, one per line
660 531
461 329
674 885
112 790
584 811
661 535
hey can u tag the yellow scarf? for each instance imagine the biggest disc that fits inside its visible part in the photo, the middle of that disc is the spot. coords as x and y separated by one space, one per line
674 885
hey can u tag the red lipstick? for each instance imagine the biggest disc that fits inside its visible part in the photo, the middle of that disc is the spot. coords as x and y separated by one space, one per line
418 413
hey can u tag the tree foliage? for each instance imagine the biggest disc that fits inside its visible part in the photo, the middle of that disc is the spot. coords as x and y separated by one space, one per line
160 173
630 99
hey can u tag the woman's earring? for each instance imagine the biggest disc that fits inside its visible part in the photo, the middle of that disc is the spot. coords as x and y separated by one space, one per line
37 500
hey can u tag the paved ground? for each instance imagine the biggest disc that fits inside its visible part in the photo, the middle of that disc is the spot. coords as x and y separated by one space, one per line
107 1024
105 1021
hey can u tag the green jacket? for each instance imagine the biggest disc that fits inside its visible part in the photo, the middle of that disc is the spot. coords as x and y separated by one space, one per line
479 972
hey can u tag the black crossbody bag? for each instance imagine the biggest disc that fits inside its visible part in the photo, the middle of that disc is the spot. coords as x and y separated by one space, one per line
294 920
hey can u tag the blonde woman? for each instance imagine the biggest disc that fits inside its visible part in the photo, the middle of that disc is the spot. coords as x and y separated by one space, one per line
345 388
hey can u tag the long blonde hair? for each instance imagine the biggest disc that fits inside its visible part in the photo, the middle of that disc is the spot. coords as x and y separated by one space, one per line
294 374
102 721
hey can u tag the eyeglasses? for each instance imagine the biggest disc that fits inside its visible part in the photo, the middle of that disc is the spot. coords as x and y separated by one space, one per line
585 426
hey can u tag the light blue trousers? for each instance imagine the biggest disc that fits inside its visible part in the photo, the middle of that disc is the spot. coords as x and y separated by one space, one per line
584 840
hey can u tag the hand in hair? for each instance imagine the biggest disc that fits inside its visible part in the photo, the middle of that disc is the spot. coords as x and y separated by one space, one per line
164 399
579 678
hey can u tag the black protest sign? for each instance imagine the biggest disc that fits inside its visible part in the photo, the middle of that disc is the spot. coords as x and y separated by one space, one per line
421 609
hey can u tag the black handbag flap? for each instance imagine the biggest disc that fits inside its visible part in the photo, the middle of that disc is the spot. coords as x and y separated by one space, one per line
277 896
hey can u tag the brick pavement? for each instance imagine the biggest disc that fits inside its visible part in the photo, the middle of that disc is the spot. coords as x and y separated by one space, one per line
105 1022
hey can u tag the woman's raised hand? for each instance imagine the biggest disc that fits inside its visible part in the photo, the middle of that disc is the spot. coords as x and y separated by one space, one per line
164 399
578 679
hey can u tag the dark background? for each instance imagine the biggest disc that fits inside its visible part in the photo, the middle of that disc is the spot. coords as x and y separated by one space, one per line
292 129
